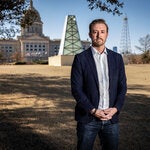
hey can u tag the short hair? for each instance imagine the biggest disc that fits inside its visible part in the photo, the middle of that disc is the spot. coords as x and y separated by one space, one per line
98 21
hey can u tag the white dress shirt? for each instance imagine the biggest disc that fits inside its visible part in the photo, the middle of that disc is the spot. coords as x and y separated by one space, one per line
103 77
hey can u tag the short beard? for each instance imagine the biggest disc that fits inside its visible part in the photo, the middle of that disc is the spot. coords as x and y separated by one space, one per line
98 44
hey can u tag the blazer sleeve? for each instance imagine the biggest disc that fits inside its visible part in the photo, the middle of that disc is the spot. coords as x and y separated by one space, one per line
77 82
122 85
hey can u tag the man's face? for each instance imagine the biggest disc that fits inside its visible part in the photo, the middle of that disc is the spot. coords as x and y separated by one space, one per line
98 34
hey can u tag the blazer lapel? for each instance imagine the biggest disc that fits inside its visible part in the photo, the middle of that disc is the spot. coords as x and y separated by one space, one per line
110 65
92 65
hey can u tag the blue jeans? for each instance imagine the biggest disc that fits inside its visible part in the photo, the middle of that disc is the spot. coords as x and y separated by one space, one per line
107 132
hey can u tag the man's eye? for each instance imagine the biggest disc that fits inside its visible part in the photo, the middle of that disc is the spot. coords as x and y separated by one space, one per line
94 32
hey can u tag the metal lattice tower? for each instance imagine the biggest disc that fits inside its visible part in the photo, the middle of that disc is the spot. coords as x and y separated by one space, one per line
125 43
70 42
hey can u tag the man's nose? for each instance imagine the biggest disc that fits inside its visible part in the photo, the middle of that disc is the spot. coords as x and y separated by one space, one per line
98 35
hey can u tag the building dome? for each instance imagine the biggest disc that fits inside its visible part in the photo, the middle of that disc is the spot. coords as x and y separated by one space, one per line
35 13
31 22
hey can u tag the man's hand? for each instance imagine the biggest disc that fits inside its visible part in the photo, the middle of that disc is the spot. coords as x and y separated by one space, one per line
101 115
105 114
110 111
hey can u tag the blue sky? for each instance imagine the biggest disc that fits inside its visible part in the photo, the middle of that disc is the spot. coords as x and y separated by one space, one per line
53 13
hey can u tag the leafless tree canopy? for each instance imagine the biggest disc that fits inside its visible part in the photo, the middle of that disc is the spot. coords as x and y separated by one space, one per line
144 43
110 6
11 13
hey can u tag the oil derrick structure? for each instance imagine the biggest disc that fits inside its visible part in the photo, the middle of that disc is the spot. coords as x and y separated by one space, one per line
70 42
125 43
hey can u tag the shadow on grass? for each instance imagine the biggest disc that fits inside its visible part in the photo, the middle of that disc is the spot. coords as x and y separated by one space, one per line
135 123
25 128
139 87
14 137
32 84
39 127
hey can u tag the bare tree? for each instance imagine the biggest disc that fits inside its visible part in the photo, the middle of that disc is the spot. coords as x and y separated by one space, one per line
145 48
145 43
11 12
110 6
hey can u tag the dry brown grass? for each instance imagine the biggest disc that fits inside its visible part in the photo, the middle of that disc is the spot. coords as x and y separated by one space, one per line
37 109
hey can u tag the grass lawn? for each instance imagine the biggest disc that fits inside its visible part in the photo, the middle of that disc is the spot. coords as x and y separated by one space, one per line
37 109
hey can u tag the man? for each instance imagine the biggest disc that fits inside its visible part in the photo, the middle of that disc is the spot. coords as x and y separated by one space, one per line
98 84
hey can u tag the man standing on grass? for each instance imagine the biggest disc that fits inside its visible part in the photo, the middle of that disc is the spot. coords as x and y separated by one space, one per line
98 84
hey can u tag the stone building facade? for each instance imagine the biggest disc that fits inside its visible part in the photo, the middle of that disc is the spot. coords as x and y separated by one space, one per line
32 44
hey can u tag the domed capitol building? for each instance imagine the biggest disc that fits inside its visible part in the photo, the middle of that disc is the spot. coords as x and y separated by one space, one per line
33 45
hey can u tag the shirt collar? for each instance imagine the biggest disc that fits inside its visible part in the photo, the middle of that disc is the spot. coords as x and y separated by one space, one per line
94 51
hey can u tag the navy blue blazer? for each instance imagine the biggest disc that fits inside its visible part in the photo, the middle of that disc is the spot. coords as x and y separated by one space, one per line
85 86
